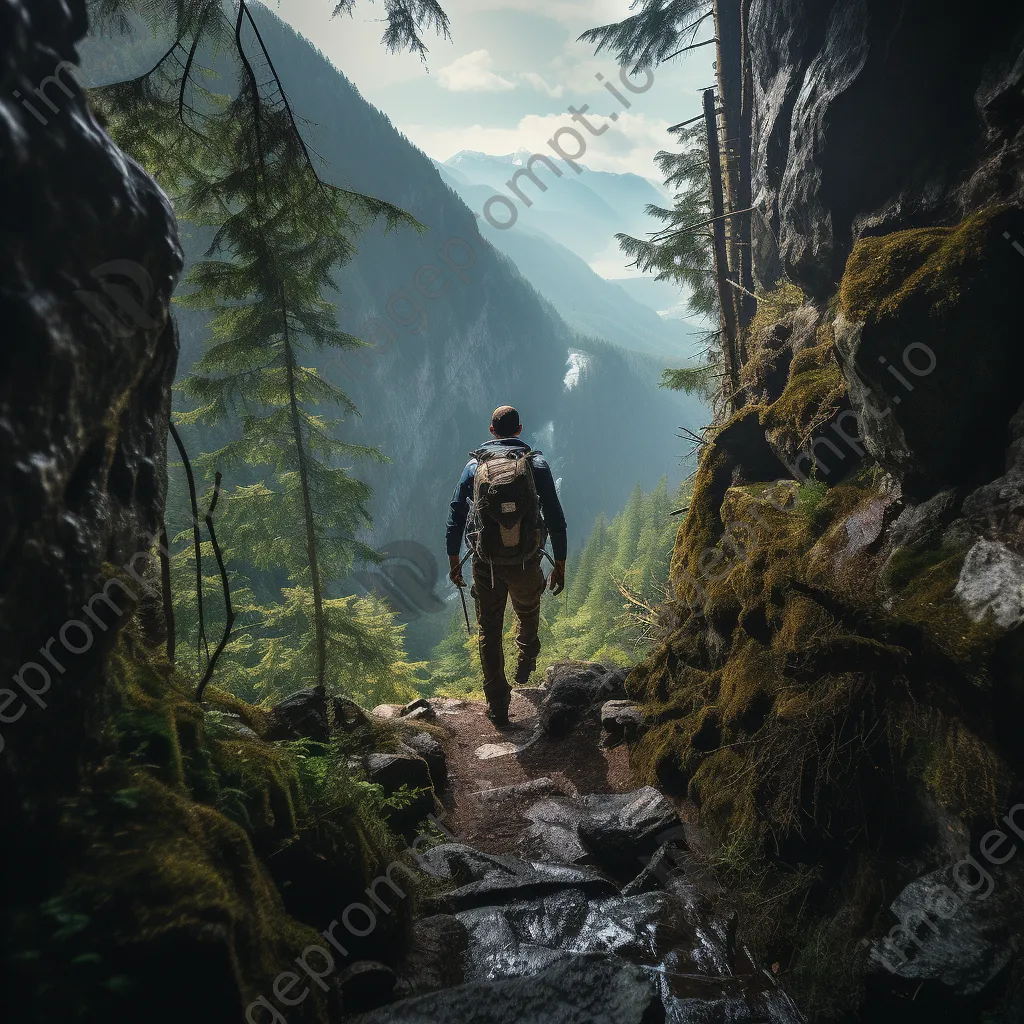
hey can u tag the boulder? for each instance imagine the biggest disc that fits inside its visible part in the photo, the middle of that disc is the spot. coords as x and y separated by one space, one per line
301 715
418 710
991 584
520 939
573 690
928 406
616 831
422 744
392 771
387 710
622 721
433 957
960 934
580 990
348 715
482 879
365 985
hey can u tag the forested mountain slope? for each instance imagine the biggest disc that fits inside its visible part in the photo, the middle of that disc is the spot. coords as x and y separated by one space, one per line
441 364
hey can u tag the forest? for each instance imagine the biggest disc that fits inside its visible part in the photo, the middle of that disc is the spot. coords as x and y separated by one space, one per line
696 697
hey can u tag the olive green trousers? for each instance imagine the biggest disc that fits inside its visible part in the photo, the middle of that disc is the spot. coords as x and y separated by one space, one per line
493 586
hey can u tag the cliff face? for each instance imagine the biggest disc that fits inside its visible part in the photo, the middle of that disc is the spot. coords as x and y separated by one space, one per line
89 257
839 687
872 116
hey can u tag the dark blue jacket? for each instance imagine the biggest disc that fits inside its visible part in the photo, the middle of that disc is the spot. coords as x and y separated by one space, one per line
547 496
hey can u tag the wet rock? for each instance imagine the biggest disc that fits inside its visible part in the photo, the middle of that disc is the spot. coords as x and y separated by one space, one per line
301 715
520 939
622 721
431 750
991 584
433 957
951 935
616 831
366 985
920 526
577 991
573 690
89 257
482 878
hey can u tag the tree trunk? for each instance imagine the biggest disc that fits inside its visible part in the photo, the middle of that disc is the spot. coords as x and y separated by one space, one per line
307 511
744 197
729 31
726 292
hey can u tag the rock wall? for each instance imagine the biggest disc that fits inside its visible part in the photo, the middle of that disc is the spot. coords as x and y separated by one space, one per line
89 256
872 116
838 689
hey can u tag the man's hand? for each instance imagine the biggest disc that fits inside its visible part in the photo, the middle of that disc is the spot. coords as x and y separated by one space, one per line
454 572
556 580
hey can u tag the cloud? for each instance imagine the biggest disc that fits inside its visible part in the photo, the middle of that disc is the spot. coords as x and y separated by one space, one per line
472 73
628 146
538 82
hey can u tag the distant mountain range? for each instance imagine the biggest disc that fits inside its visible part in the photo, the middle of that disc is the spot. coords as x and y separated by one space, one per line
566 238
456 330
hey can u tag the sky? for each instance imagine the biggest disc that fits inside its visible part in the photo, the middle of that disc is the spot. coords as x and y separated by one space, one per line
506 77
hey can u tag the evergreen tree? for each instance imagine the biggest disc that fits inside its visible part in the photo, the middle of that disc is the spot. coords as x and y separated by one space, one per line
239 165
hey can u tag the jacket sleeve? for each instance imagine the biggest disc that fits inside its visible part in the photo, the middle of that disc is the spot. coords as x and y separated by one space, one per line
459 511
550 507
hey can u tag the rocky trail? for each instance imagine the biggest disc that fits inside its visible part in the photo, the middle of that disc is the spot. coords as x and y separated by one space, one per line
565 894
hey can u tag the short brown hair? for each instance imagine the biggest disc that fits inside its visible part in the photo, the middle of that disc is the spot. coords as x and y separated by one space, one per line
505 421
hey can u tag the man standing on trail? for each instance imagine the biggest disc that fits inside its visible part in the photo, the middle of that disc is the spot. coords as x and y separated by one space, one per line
506 504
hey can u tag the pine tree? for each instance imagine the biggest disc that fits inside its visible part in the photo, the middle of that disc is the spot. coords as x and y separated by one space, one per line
240 165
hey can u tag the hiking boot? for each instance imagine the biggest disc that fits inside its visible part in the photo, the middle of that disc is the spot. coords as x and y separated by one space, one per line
523 673
499 717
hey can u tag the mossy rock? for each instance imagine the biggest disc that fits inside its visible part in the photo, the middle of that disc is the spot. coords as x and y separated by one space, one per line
927 334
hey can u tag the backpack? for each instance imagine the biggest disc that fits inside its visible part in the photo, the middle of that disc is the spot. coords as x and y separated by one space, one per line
506 525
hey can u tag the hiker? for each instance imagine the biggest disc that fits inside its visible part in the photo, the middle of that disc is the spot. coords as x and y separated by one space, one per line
507 496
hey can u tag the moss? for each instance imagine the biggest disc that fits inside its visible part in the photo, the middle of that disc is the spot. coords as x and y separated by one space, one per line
813 396
923 264
773 306
193 861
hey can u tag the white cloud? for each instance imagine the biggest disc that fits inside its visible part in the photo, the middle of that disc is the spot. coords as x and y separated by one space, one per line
629 144
472 73
538 82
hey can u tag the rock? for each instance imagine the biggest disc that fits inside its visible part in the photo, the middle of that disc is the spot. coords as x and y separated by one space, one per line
521 939
365 985
482 878
301 715
532 787
387 710
927 406
433 958
616 831
921 526
419 709
622 722
89 257
392 771
574 688
486 751
957 937
348 715
226 723
577 991
430 749
991 584
818 70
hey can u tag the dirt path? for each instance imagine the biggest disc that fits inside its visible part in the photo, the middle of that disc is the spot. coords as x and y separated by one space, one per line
482 760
